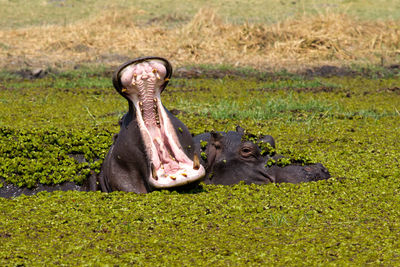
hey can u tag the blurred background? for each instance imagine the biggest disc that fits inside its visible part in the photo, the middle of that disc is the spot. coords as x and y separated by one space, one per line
266 35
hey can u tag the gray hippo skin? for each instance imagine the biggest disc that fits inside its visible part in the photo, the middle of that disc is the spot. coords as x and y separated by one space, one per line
153 150
229 159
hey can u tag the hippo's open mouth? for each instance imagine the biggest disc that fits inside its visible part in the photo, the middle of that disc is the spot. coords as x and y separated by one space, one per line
142 81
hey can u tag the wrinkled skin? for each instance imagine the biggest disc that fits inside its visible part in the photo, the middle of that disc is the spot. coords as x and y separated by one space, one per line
229 160
298 174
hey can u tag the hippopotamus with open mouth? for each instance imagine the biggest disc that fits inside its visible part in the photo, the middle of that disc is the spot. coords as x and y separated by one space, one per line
230 158
154 149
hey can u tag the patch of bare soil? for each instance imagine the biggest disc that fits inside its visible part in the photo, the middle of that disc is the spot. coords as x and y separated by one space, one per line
391 89
31 73
320 71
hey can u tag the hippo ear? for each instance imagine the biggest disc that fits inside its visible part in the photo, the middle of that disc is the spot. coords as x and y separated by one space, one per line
215 136
267 139
240 130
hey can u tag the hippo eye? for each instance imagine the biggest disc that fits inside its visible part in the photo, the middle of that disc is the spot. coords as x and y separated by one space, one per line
246 151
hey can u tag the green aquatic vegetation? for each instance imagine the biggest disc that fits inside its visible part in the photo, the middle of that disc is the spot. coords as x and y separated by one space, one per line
217 225
335 109
50 156
298 83
289 159
38 103
84 82
203 144
266 148
57 130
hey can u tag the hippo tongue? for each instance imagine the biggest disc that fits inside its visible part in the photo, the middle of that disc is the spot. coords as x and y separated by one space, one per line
169 165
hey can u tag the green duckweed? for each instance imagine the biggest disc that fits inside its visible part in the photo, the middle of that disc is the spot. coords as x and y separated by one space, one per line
60 128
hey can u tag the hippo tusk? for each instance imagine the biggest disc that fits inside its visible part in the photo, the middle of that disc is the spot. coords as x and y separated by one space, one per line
196 162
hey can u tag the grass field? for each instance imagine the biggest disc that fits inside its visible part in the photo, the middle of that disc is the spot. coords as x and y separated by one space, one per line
261 66
17 13
67 34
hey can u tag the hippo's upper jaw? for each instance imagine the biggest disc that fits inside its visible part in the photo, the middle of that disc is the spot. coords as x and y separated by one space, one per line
142 83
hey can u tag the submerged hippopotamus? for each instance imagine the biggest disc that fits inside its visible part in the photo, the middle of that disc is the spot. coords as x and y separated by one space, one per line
153 150
231 157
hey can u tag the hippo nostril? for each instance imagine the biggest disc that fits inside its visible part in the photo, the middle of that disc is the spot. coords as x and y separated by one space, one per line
268 176
217 145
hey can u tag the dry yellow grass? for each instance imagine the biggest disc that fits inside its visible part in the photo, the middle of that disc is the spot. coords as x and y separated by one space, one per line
333 39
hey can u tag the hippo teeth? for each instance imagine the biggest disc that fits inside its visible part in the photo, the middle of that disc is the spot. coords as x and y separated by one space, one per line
169 165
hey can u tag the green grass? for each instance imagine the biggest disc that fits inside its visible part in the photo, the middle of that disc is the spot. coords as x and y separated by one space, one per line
18 13
259 109
350 124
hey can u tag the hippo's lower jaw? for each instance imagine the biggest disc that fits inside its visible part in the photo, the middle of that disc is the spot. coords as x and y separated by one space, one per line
169 165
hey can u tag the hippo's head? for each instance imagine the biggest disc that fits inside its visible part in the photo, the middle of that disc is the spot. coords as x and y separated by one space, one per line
152 142
230 158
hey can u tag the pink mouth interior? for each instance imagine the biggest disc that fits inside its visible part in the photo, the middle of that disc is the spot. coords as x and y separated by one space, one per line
169 164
